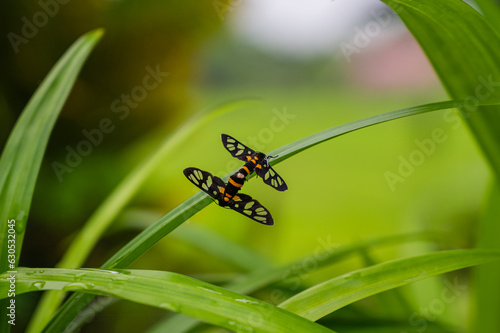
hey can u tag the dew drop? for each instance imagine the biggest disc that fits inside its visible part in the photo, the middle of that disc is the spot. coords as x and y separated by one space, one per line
352 276
78 285
246 301
165 306
171 307
210 290
38 285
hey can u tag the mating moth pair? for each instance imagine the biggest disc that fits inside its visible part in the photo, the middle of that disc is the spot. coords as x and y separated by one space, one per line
227 194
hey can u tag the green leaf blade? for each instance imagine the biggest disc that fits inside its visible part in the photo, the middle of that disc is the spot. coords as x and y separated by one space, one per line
329 296
260 279
22 156
464 50
170 291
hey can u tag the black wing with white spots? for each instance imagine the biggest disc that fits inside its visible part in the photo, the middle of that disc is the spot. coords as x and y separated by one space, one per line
244 204
271 177
236 148
241 203
206 182
263 169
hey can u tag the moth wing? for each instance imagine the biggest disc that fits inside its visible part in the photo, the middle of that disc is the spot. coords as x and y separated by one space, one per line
236 148
251 208
205 181
271 177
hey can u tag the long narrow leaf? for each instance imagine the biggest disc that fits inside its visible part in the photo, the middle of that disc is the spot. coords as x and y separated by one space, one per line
23 153
169 291
327 297
264 278
142 242
296 147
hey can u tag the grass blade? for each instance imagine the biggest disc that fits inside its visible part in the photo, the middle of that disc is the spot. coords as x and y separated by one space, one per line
106 213
393 328
170 291
142 242
329 296
296 147
23 153
393 303
260 279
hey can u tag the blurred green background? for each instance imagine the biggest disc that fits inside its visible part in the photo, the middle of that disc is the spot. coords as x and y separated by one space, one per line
338 191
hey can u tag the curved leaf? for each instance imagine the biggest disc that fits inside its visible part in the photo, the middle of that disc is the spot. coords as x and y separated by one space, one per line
329 296
464 50
260 279
23 153
169 291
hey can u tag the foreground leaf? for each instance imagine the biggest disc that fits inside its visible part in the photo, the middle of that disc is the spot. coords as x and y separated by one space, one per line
290 274
464 50
491 11
169 291
24 150
23 153
327 297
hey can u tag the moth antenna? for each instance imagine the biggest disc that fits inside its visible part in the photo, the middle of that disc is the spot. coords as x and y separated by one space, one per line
269 157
